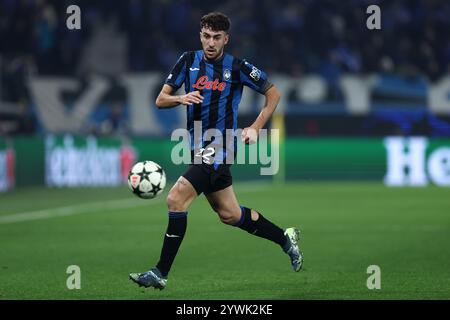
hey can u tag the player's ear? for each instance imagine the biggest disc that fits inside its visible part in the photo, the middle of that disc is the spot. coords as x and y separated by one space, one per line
227 38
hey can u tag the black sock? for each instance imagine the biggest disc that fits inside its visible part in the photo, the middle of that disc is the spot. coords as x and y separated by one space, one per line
262 227
172 240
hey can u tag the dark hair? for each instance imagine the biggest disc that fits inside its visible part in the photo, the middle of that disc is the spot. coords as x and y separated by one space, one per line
216 21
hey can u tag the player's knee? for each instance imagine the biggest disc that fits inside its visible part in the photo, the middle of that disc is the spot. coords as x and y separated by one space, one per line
228 217
228 220
175 202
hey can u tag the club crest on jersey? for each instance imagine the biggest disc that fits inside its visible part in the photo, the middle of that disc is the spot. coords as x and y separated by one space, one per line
204 83
227 74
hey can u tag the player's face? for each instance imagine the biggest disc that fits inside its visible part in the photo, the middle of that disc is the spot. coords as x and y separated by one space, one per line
213 42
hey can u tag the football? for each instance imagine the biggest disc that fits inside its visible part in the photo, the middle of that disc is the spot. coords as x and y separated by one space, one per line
146 179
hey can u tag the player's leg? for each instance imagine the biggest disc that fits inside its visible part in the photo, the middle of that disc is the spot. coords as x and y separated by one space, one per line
224 202
178 200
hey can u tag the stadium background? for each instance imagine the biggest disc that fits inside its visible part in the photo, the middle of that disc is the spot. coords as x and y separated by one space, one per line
362 111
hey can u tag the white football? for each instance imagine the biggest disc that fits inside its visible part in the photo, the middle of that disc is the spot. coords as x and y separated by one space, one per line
146 179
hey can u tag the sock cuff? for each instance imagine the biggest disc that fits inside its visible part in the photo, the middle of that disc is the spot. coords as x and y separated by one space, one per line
244 212
177 215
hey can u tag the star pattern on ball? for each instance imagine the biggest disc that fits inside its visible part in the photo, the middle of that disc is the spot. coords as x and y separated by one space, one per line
155 188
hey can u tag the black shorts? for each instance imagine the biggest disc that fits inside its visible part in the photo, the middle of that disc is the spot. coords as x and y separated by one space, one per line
207 180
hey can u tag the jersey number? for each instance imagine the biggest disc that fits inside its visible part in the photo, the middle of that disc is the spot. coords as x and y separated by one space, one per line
206 154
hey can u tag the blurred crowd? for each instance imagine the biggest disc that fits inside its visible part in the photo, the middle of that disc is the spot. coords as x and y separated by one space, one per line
292 37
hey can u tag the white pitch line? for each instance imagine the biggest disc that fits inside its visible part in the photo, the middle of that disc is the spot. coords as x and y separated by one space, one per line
103 205
75 209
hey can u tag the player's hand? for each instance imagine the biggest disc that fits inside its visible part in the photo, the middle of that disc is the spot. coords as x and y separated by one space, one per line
190 98
249 135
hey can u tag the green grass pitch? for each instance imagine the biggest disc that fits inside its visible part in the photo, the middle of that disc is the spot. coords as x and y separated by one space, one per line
346 227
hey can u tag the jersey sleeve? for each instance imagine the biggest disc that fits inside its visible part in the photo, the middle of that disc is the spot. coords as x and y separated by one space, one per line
178 73
254 78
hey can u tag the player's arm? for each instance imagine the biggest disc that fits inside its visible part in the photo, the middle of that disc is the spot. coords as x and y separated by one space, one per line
273 96
167 98
257 80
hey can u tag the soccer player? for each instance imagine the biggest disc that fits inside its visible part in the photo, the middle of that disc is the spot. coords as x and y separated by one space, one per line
213 82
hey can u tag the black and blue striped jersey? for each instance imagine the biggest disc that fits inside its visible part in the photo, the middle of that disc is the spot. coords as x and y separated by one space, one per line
220 82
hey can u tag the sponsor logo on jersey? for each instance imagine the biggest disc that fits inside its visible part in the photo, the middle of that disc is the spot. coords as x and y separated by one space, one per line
204 83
